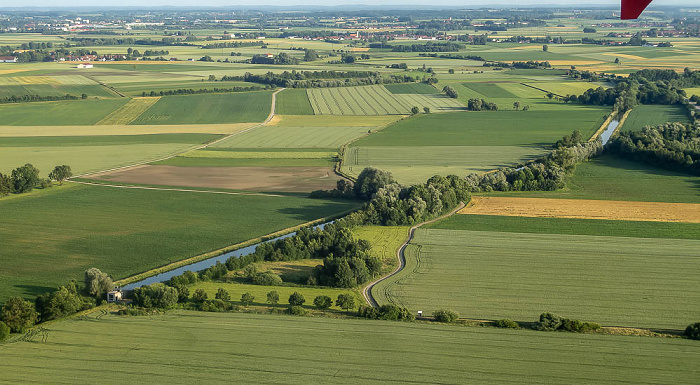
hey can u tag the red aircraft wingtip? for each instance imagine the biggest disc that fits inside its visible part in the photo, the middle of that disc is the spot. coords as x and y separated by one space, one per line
631 9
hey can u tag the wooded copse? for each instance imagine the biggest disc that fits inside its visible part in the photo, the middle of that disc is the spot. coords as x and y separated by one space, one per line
320 79
673 146
25 178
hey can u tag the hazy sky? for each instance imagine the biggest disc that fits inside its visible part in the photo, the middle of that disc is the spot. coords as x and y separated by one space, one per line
229 3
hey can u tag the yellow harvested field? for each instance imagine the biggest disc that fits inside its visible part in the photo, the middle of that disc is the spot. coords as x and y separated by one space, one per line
128 112
622 55
13 70
359 49
37 80
584 209
7 131
526 47
574 62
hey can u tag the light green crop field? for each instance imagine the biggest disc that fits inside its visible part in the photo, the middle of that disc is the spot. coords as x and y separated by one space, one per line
411 88
489 90
184 347
127 231
654 115
92 153
374 100
239 107
60 113
173 83
258 154
293 137
616 281
293 102
611 178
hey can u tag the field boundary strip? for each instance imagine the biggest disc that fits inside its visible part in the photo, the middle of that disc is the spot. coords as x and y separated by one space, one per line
128 112
584 209
367 290
196 147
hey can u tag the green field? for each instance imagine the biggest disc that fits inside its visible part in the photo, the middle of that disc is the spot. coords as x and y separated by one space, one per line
385 241
61 113
92 153
568 226
487 128
654 115
489 90
293 102
616 281
186 347
125 231
374 100
611 178
417 148
239 107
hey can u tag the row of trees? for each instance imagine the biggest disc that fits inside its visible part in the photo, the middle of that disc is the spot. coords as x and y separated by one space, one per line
279 59
673 146
531 64
544 174
190 91
19 315
320 79
25 178
40 98
427 47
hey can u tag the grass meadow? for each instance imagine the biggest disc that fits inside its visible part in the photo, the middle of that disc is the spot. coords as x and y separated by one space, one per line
184 347
385 241
126 231
654 115
240 107
616 281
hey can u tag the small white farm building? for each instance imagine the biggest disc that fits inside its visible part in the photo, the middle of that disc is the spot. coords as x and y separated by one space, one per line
85 65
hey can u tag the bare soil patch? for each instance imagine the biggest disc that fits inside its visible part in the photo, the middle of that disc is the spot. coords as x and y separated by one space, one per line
584 209
268 179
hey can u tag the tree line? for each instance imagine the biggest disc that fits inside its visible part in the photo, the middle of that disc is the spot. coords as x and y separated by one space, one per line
673 146
320 79
190 91
40 98
544 174
25 178
427 47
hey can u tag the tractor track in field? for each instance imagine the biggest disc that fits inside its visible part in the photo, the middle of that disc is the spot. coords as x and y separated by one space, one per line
197 147
367 290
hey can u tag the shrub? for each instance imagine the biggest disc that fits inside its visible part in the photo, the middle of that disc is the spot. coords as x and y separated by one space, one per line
506 324
323 302
345 301
273 297
199 295
296 299
216 305
267 278
296 310
693 331
4 331
446 316
550 322
247 299
18 314
223 295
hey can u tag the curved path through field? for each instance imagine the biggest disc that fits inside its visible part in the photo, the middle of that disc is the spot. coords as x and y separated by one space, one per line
367 290
198 147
